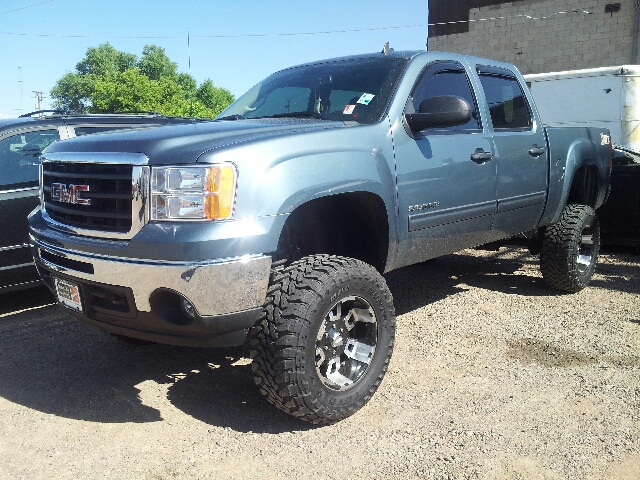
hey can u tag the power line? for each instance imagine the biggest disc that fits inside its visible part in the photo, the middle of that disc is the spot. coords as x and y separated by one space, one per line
326 32
28 6
507 17
295 34
53 35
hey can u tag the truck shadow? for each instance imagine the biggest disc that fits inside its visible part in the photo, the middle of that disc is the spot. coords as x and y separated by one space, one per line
426 283
510 270
56 365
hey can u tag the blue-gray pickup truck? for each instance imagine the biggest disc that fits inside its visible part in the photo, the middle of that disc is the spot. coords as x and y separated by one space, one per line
273 224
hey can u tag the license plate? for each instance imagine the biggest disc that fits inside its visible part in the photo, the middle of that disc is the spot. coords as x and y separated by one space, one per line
68 294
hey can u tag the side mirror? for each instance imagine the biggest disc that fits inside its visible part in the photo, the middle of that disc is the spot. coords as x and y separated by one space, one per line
440 112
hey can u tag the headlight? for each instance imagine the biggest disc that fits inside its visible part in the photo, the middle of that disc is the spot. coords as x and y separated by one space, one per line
193 193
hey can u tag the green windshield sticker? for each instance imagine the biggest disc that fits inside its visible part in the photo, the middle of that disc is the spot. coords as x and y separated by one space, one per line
365 98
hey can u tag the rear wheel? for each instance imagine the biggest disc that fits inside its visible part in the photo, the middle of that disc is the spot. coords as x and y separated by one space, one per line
570 249
325 338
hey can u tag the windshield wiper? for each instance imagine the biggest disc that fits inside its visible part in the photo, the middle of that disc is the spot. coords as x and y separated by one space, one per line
231 117
307 113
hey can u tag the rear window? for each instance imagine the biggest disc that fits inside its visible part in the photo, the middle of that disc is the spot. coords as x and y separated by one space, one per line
507 104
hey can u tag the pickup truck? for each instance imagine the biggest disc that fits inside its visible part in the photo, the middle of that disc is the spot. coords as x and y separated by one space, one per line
272 225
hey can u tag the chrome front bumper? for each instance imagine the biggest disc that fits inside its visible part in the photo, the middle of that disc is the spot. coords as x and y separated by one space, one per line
215 287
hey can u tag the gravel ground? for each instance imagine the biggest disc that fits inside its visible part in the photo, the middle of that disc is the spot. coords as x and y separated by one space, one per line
494 376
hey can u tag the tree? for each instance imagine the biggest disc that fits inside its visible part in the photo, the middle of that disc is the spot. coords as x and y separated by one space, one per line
155 64
188 83
73 92
107 80
105 59
214 98
125 92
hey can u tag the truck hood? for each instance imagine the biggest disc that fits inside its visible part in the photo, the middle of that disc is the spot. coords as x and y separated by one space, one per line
183 144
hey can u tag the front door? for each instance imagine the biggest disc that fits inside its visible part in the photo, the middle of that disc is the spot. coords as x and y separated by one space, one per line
446 177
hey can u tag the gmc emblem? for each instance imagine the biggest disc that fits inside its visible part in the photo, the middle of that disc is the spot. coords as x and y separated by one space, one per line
69 194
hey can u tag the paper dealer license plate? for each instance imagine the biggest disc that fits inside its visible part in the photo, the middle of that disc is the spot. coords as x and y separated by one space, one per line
68 294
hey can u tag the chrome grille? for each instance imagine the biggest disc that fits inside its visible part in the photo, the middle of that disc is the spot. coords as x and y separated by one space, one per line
112 202
110 195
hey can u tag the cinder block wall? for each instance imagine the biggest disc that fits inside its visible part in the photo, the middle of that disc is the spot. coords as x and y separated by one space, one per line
558 42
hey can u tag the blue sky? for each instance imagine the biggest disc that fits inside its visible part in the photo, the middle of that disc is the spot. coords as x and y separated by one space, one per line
235 43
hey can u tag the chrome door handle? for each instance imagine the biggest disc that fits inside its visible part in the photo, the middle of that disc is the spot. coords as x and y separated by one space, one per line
480 156
536 151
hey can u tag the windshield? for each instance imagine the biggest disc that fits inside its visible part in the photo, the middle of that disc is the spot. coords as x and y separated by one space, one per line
347 90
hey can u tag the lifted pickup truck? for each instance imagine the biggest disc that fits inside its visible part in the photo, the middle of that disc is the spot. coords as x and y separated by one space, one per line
273 224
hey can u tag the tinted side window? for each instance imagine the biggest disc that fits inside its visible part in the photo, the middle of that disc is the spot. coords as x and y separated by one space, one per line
447 82
507 103
20 157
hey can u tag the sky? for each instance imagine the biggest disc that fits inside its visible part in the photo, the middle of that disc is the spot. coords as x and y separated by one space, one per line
235 43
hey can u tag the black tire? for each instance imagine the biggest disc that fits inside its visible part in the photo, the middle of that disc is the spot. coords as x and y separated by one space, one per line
310 358
570 249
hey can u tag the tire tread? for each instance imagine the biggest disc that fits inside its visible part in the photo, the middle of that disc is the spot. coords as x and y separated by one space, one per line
557 257
277 339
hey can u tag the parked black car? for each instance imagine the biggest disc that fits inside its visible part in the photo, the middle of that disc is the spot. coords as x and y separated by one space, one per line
22 140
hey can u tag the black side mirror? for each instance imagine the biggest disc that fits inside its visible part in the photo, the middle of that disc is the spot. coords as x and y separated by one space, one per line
440 112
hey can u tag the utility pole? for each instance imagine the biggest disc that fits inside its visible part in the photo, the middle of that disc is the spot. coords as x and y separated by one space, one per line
21 85
39 97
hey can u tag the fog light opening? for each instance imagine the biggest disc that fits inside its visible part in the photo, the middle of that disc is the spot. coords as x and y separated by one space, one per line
187 308
172 307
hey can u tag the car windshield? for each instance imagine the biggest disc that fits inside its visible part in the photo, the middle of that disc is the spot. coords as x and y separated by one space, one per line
347 90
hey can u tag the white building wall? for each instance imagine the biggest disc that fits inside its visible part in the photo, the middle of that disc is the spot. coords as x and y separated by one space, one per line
556 43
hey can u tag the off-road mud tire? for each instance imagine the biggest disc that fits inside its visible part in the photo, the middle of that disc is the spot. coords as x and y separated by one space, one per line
570 249
283 342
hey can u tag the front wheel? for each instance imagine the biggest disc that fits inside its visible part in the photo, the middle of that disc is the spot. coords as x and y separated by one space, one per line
325 338
570 249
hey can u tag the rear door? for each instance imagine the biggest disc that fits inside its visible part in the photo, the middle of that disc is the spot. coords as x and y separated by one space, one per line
520 156
446 199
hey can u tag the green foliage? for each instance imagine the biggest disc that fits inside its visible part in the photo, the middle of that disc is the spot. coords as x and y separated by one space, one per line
73 92
107 80
214 98
155 64
104 60
188 83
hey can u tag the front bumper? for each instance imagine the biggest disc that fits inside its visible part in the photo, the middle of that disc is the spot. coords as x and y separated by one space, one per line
142 298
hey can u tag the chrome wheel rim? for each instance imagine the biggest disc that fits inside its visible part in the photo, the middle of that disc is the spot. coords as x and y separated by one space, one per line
346 343
584 256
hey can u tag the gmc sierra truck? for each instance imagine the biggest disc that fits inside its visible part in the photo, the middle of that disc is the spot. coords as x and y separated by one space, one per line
272 225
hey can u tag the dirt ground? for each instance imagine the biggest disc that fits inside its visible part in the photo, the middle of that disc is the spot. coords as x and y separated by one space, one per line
494 376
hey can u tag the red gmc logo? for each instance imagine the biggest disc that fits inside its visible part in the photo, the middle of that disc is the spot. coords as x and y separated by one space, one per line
69 193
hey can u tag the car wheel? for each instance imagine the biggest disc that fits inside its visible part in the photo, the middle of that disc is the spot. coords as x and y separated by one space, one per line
570 249
325 338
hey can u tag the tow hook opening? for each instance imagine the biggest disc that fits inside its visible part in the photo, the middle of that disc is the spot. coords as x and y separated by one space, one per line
172 307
